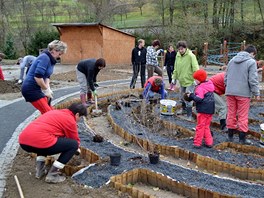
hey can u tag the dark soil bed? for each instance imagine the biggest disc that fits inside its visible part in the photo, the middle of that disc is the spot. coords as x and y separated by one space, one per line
99 174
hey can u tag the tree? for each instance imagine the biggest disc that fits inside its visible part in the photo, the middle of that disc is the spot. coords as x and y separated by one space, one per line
242 11
171 10
140 4
261 13
9 48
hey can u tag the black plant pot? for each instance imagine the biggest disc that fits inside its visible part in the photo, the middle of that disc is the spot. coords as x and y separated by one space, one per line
98 138
115 159
153 158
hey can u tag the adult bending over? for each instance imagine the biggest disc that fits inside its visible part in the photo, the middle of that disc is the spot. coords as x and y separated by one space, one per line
24 62
52 133
87 71
36 86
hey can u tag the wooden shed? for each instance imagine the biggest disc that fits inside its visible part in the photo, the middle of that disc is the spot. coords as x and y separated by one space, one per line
94 40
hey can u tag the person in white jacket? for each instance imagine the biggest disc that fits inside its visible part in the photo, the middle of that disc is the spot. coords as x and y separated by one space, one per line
25 62
152 59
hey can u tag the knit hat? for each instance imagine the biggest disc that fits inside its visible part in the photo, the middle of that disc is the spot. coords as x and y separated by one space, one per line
200 75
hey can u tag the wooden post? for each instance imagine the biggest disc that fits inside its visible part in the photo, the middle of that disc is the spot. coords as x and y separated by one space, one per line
225 52
205 54
19 187
243 45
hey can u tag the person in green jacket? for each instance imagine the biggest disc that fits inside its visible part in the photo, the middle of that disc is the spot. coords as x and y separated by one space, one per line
185 65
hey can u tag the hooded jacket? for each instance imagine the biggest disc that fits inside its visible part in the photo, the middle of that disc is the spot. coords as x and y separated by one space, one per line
139 56
204 97
218 81
241 78
185 66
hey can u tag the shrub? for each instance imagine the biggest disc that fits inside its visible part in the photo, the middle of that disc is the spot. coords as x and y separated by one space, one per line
40 40
9 49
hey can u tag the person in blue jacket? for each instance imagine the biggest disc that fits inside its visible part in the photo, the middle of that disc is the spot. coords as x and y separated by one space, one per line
36 86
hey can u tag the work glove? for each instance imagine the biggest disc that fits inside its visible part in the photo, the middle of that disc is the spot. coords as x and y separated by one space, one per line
186 96
48 92
158 51
96 85
95 93
78 151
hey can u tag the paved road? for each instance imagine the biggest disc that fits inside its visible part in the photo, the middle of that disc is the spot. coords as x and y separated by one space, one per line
16 115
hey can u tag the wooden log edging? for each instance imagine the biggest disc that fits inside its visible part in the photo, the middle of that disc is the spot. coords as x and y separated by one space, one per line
205 162
146 176
86 154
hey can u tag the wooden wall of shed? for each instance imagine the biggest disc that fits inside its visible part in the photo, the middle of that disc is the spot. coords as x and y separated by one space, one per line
95 42
83 43
117 47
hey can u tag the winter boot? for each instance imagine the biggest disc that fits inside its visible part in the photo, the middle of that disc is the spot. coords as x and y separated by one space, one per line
242 138
189 113
90 98
40 167
83 99
223 125
183 110
230 134
172 87
54 174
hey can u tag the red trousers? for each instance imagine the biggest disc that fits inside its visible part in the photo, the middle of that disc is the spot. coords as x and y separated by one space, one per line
203 130
237 112
1 74
42 105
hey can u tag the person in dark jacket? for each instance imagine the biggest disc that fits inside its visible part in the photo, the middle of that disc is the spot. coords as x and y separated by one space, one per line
205 106
36 86
87 71
138 60
169 64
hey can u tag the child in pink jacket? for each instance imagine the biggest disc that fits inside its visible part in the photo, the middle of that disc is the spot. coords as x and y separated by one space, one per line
205 106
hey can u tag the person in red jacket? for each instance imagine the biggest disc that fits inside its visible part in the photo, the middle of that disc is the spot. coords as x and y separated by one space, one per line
1 71
53 132
154 85
220 103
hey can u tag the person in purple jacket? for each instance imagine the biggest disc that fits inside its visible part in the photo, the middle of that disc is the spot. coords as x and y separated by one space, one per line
36 86
87 71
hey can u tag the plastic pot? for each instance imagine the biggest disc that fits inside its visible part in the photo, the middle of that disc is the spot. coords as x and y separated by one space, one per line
153 158
115 159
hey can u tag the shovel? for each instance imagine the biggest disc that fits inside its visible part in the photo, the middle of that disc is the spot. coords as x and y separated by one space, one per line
96 110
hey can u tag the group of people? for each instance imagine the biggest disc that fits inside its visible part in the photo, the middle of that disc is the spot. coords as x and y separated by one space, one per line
239 83
55 131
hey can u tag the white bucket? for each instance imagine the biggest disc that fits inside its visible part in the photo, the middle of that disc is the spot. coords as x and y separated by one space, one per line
167 107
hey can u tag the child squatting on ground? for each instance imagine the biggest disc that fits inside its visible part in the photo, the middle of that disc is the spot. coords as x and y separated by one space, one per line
154 85
203 96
